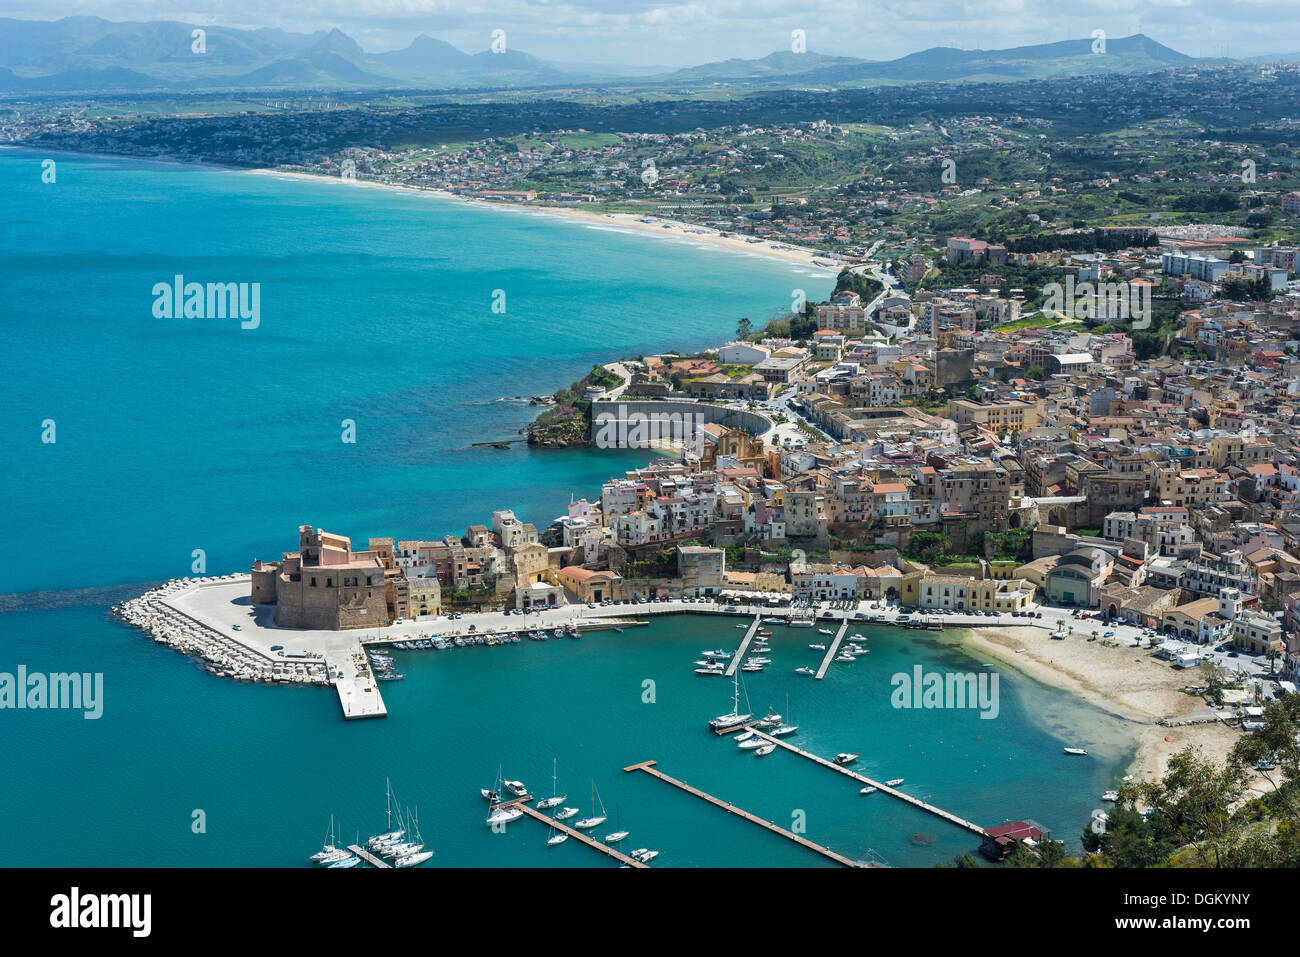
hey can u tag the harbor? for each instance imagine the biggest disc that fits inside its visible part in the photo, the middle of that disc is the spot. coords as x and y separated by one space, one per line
649 768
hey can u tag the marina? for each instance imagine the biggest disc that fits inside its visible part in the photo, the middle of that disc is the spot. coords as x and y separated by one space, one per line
833 650
878 785
369 858
649 768
744 646
522 804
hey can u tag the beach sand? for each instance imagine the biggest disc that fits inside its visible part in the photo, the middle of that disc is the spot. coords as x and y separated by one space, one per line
665 228
1128 682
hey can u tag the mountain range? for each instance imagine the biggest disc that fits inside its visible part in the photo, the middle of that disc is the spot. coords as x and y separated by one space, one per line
89 54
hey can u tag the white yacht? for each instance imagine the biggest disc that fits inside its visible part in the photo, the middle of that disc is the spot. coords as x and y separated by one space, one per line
504 815
516 788
734 719
413 860
595 820
565 813
556 799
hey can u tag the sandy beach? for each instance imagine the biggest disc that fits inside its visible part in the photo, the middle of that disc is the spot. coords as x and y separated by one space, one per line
1130 683
664 228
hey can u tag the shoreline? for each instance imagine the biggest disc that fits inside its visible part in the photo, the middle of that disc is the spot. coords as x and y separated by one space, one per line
662 226
1124 682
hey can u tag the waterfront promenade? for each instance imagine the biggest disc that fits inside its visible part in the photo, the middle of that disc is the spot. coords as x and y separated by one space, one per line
218 613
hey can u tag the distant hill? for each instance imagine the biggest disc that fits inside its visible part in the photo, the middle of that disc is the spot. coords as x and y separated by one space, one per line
90 54
1135 54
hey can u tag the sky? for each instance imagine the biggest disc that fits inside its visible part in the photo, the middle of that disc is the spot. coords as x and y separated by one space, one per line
687 32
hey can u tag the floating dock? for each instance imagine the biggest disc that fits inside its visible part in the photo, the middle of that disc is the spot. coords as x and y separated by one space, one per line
833 650
879 786
744 646
366 856
648 768
522 804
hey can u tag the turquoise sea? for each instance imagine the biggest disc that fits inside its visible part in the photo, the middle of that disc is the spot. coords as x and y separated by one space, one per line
181 434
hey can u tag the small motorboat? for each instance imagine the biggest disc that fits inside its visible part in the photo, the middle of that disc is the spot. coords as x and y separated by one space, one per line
615 837
643 855
743 736
804 671
764 750
894 783
846 659
711 671
565 813
817 647
750 744
826 631
1110 796
751 668
1075 751
868 790
845 757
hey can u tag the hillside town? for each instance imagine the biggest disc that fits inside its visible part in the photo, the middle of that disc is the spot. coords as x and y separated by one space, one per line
930 450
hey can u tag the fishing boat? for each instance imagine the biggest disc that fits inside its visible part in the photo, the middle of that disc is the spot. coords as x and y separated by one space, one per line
868 790
1075 751
845 757
565 813
556 799
595 820
804 671
893 783
733 719
764 750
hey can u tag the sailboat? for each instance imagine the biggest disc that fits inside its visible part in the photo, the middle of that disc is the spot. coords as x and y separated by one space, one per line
618 834
735 718
329 850
390 836
557 798
596 819
412 854
785 728
493 795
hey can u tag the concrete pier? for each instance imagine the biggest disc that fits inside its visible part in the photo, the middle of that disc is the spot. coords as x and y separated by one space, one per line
744 646
833 650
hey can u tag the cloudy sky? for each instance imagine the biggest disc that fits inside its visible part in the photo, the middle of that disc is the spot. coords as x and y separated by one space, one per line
685 32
